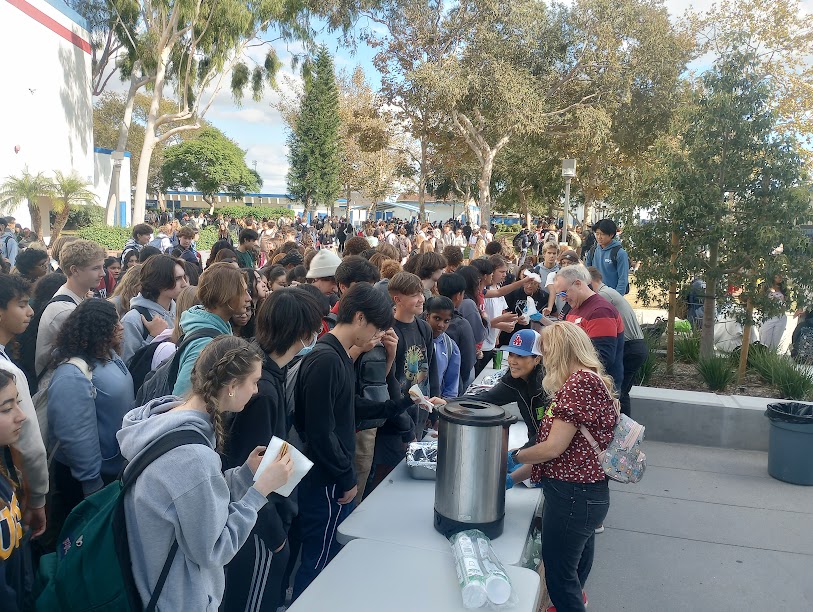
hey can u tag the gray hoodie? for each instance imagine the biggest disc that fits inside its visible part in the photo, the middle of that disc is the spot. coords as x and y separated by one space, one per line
135 334
184 495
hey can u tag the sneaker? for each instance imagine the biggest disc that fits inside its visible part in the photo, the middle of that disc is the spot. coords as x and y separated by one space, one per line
600 529
584 599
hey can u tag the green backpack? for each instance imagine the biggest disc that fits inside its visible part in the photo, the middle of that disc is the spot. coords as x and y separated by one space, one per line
91 569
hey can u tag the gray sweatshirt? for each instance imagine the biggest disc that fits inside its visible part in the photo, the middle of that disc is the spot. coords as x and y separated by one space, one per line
135 334
184 495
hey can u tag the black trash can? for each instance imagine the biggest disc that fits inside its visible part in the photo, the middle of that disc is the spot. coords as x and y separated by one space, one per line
790 443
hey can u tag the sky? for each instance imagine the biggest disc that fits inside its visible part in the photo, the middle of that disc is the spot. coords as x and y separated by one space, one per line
258 127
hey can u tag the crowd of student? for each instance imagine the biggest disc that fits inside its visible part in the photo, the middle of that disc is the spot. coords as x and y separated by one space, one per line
104 356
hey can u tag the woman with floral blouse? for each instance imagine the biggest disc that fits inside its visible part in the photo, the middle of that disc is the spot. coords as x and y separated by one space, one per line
577 497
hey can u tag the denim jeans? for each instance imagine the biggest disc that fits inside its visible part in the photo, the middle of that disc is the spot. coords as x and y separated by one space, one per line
571 513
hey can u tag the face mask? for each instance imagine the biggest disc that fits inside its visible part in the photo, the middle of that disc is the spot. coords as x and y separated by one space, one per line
307 348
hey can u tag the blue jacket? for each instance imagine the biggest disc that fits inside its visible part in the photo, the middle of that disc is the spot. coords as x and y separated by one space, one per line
193 319
447 362
85 417
613 275
9 246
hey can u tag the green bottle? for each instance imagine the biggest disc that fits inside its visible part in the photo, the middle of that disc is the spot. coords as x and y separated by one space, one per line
498 360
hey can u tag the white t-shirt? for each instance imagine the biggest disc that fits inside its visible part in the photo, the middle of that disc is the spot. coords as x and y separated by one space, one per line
494 307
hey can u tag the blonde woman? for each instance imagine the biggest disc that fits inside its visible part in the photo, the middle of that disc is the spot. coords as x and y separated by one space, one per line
128 286
577 497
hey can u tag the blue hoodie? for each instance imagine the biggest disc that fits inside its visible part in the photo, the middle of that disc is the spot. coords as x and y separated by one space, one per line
613 275
194 319
183 495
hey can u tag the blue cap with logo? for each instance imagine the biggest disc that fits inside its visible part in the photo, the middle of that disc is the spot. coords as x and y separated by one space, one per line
525 342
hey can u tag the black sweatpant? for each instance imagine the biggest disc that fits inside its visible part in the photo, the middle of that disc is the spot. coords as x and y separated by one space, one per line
254 577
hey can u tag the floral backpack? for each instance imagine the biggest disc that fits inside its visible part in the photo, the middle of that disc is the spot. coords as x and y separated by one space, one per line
623 460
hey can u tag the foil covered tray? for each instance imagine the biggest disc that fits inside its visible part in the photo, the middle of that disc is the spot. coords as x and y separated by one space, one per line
421 459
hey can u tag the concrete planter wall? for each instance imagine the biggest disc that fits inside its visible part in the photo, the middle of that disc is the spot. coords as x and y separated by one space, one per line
704 419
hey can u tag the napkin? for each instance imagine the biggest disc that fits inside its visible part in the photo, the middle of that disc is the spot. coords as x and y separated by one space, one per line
416 394
302 465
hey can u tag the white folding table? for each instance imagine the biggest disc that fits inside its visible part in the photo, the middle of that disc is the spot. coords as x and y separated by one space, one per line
373 576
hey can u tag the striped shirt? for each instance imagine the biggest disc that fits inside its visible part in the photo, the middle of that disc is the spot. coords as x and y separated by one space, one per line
600 319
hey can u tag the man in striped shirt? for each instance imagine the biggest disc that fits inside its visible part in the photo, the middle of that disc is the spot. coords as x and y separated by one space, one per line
595 315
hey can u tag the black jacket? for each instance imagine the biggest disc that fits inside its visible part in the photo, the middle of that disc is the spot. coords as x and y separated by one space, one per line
263 417
529 396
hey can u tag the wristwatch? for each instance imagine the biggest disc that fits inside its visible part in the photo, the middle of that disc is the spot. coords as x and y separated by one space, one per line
514 455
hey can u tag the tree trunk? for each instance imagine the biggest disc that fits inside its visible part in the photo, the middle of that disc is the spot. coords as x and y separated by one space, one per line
59 222
113 194
670 326
422 180
746 340
710 302
484 185
36 217
150 139
589 201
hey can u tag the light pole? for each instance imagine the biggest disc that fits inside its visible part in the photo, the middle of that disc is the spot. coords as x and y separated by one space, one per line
568 171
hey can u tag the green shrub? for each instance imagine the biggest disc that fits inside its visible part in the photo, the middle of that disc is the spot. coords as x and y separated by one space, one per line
687 347
112 238
258 212
82 216
792 382
207 237
762 360
717 372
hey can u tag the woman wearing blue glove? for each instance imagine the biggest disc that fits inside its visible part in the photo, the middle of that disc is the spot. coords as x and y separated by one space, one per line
522 383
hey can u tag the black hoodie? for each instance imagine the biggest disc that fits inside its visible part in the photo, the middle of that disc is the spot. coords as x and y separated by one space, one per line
263 417
529 396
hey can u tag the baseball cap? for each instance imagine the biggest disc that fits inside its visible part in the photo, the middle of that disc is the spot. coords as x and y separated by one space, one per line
524 343
570 256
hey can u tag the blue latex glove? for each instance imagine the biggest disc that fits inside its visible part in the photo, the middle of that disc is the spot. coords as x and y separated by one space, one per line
512 464
509 482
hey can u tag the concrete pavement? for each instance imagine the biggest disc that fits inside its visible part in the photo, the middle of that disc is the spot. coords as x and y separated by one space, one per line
707 529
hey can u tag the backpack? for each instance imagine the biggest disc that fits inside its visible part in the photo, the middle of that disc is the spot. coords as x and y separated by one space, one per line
623 460
613 258
161 381
371 382
92 568
517 241
28 345
5 245
40 401
802 350
140 364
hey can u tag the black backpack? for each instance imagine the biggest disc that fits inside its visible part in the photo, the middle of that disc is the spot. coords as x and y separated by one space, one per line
140 364
161 381
28 344
517 241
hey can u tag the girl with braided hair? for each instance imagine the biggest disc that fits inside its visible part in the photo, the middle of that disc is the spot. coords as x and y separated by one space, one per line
183 496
